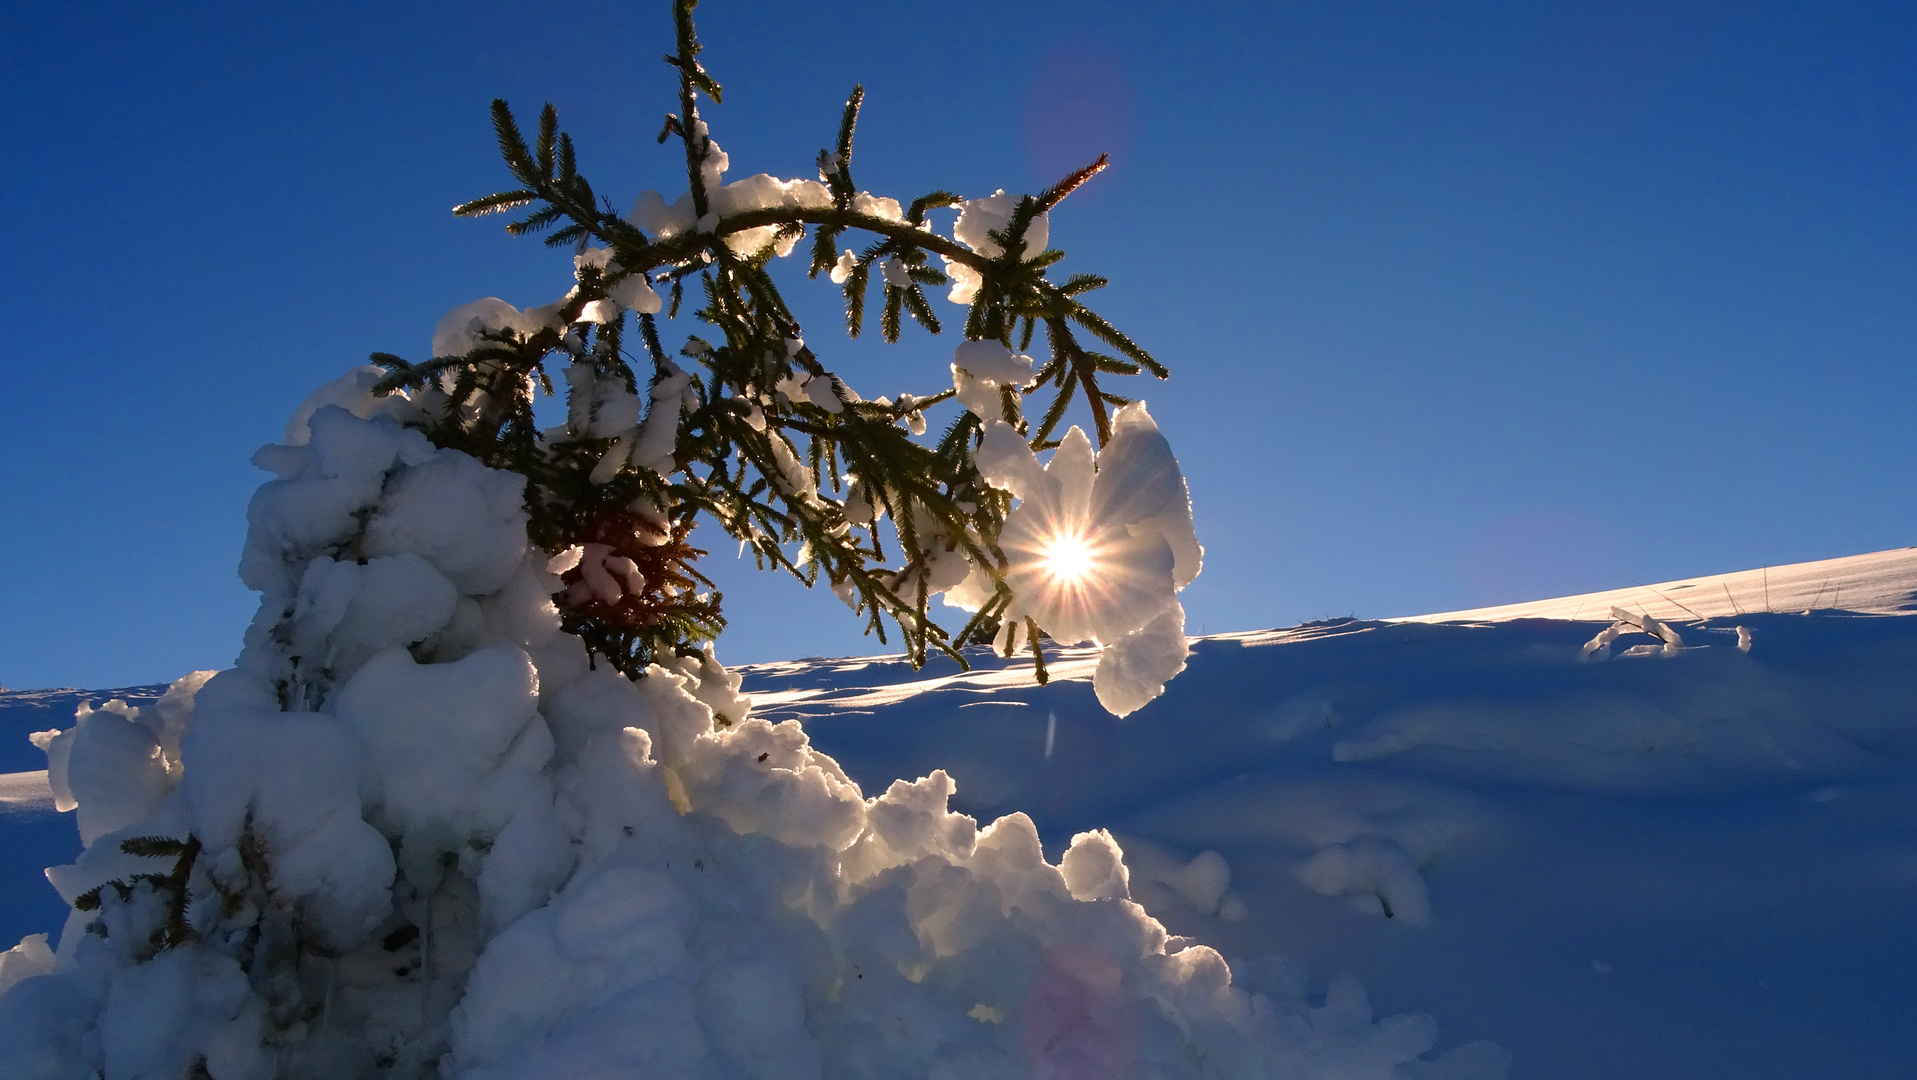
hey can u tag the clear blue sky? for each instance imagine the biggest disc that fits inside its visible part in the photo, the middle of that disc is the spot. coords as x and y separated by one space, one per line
1465 303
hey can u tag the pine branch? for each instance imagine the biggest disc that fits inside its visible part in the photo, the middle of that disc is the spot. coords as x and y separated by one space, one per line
493 204
848 122
921 311
548 135
692 78
1057 192
825 251
512 146
855 298
1110 335
153 847
723 466
1053 416
1082 283
889 316
915 213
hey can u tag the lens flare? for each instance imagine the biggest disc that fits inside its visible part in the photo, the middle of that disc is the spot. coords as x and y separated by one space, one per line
1067 558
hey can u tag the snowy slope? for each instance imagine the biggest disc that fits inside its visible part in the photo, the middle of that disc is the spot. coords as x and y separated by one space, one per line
1700 865
1882 582
1696 865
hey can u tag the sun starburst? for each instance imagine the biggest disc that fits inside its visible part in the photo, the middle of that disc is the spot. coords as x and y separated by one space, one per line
1067 558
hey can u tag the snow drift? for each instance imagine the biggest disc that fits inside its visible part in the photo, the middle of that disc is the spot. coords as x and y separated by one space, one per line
1661 865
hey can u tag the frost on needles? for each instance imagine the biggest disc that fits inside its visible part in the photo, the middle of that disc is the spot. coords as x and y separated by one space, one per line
478 800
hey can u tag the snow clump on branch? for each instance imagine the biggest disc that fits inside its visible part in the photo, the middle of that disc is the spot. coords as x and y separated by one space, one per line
977 220
1097 550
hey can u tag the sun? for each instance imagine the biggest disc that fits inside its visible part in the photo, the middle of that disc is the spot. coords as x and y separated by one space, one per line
1067 558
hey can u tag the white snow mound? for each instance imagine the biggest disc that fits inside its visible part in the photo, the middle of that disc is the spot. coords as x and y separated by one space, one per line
400 839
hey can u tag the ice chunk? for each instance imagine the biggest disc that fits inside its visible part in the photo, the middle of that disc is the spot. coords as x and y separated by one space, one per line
1097 548
1083 578
790 476
316 505
604 577
860 507
760 192
56 745
601 404
1599 647
828 393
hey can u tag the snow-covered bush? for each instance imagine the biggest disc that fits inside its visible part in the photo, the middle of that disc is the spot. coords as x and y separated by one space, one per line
478 800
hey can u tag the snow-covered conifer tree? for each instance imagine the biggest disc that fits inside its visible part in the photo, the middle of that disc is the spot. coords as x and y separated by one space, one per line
478 800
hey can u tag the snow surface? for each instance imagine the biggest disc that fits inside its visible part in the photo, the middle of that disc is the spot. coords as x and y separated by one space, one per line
1696 864
1882 583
